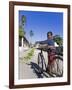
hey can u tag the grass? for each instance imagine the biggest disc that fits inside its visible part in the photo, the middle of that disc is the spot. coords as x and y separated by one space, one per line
29 54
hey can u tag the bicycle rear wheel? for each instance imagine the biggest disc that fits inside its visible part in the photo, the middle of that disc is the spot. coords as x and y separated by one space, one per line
57 66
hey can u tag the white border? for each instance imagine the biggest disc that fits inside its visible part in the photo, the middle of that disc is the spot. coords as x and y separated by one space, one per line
45 80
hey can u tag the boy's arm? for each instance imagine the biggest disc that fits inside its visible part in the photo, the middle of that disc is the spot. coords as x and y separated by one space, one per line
46 46
42 42
51 47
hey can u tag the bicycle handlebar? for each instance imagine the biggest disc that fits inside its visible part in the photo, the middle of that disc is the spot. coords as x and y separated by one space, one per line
58 50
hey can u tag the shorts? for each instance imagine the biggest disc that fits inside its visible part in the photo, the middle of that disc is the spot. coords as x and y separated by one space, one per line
51 56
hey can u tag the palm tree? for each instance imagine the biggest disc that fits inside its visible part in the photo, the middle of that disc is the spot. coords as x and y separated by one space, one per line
31 34
58 40
23 20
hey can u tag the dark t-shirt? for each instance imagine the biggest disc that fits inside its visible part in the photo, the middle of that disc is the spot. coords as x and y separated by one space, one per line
50 42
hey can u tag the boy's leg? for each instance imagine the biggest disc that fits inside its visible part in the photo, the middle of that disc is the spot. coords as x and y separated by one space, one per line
50 61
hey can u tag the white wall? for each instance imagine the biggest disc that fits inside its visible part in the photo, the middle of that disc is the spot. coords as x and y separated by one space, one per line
4 44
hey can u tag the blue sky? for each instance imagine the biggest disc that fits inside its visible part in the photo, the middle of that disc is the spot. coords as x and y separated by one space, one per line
42 22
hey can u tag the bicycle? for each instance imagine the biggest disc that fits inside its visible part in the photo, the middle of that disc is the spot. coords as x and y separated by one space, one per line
58 58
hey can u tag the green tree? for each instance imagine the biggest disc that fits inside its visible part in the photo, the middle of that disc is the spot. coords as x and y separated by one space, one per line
21 26
58 40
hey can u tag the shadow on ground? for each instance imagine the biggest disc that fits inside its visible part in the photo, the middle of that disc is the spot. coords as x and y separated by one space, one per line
36 69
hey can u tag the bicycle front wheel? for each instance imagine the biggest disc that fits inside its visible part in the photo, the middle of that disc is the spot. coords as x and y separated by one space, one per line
40 63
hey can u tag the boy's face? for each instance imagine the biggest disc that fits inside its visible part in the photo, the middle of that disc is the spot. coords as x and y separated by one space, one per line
49 36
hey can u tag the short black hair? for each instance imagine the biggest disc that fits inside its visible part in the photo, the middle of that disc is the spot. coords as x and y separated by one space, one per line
49 33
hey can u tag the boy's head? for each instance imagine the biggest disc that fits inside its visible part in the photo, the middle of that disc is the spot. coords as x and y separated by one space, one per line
50 35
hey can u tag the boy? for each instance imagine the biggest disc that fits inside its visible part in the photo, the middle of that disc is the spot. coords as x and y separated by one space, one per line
51 52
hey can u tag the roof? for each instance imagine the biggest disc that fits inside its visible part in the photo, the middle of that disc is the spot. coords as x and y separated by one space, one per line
26 40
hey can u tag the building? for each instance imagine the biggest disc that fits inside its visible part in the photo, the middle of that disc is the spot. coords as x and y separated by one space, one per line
23 42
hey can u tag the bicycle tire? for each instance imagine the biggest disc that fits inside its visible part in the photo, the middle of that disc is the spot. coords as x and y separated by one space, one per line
40 63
